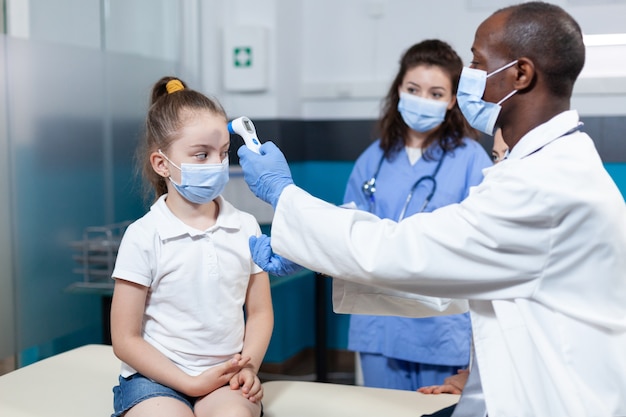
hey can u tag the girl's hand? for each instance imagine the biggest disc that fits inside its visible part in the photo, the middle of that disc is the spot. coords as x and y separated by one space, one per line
249 383
217 376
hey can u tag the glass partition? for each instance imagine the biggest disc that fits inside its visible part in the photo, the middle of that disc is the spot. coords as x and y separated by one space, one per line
74 89
74 118
149 28
7 307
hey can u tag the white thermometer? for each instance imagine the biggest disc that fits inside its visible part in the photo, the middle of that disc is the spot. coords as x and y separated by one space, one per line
244 128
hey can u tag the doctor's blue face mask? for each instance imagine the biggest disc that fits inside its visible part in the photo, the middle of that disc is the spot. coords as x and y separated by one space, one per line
479 113
200 183
421 114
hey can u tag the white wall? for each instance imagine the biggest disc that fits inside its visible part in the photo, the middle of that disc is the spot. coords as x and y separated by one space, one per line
335 58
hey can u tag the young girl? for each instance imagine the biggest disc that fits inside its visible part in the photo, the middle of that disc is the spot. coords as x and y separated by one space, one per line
184 274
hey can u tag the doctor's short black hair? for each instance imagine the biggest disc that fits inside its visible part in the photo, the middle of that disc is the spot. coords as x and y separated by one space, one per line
551 38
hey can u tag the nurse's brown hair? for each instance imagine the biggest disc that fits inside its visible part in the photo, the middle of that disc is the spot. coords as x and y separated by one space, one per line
450 133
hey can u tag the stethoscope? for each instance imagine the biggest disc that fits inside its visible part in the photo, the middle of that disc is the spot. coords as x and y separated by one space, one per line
369 187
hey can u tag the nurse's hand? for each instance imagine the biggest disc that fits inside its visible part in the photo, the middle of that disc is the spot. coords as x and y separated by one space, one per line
264 256
267 174
451 385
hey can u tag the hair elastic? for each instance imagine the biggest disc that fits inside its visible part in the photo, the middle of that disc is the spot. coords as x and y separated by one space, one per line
173 86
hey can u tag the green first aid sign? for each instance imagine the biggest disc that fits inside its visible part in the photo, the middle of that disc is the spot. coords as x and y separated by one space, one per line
242 56
245 58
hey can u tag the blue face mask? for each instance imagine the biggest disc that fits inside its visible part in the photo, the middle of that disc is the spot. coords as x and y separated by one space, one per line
201 183
479 113
421 114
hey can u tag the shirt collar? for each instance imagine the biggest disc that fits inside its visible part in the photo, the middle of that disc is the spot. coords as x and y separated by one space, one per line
545 133
169 226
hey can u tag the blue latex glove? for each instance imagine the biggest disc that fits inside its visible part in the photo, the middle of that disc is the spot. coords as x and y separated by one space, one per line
267 174
263 256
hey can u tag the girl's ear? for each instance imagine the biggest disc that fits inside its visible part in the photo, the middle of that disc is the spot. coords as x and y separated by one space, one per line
159 164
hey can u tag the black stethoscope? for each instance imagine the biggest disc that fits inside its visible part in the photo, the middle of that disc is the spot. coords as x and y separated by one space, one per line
369 187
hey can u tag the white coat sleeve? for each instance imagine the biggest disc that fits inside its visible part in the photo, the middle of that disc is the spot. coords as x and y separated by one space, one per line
352 298
440 254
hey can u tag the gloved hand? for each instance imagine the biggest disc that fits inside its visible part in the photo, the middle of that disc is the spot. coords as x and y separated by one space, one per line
267 174
263 256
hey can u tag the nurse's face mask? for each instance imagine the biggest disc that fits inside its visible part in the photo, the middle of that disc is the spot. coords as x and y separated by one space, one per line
480 114
200 183
421 114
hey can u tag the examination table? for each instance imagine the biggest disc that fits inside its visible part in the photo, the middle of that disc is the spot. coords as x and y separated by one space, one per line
79 383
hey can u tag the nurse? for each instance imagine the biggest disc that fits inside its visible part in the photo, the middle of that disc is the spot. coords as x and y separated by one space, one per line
500 149
538 248
427 157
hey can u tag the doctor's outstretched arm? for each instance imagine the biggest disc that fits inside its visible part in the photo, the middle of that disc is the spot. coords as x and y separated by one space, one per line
268 175
445 253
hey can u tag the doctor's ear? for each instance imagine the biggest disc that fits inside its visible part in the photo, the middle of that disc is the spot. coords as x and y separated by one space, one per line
526 74
159 164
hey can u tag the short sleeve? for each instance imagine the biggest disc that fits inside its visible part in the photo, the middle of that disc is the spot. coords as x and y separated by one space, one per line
135 256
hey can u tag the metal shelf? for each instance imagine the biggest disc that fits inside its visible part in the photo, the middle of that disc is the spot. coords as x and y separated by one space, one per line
96 254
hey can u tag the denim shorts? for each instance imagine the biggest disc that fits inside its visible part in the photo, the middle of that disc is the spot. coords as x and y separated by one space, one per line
137 388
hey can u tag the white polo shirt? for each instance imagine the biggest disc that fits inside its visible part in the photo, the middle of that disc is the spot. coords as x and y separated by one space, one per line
197 283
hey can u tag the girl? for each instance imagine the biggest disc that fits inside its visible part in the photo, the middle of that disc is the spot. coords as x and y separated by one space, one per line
184 273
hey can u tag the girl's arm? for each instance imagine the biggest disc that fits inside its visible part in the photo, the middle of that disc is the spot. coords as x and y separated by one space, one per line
259 319
127 310
258 331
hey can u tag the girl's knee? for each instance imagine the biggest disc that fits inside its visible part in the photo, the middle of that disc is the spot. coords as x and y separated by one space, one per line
225 402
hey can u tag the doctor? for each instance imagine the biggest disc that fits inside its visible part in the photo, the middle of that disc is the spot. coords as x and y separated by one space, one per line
538 248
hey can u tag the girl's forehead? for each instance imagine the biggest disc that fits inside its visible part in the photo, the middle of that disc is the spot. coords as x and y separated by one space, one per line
203 129
193 115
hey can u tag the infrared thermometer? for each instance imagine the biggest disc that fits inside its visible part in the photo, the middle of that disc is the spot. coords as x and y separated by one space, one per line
244 128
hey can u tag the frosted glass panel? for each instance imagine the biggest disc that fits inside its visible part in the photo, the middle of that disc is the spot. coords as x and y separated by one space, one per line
131 79
7 319
144 27
74 117
72 22
56 133
150 28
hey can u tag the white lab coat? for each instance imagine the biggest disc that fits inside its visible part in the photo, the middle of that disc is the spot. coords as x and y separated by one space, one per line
538 249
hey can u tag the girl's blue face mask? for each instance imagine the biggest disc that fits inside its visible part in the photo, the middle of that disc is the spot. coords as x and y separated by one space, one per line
421 114
200 183
479 113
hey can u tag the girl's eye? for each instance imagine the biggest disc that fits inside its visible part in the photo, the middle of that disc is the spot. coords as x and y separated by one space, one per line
437 95
201 156
411 90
